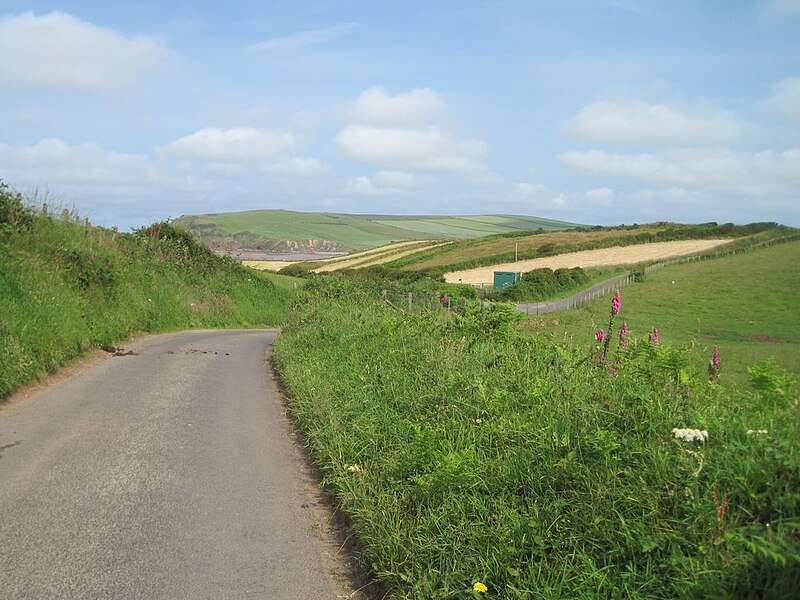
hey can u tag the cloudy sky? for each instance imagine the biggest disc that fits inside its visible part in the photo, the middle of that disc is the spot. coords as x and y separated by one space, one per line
591 111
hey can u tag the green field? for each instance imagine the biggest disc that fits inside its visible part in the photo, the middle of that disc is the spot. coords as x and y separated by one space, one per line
275 229
748 304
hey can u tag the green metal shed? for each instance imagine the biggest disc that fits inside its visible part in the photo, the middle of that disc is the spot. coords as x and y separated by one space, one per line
504 278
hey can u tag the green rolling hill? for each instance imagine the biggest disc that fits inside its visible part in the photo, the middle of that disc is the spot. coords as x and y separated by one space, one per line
289 231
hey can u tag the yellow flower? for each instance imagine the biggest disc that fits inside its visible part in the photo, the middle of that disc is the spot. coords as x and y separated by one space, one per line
480 587
478 422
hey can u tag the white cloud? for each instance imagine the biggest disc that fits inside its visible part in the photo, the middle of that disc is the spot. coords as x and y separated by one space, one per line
580 203
701 167
642 123
529 189
52 162
59 51
376 106
237 145
427 148
785 99
304 38
383 183
363 186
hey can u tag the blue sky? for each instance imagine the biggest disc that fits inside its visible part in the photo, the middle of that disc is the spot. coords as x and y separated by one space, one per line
590 111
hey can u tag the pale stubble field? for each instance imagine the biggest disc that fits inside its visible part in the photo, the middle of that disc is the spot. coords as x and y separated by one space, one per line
617 255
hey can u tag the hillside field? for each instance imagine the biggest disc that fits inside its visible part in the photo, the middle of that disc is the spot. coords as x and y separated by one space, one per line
284 230
748 304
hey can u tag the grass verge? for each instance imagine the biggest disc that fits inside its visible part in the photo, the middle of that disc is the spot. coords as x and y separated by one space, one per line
476 460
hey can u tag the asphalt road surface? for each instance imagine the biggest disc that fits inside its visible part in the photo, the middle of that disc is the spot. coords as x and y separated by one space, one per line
170 472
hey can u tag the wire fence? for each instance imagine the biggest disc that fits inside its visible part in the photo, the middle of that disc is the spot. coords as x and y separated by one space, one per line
418 301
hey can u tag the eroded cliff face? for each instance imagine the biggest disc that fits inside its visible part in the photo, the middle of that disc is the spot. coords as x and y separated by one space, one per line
239 243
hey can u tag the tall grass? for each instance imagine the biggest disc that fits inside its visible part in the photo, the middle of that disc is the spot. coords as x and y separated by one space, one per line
469 454
66 287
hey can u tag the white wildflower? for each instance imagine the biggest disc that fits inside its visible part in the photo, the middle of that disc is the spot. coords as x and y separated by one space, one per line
757 432
690 435
355 468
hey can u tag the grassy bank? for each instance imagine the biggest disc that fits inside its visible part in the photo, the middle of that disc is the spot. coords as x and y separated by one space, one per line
66 287
469 454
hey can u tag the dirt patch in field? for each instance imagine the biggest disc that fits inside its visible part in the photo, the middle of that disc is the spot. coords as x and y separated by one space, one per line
761 337
602 257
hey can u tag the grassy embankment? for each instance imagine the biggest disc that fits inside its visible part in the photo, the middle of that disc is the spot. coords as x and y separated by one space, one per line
471 453
66 287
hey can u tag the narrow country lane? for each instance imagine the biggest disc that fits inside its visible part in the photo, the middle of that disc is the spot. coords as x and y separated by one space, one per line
170 472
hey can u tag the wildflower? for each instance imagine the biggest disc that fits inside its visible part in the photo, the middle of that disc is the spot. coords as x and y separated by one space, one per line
600 335
715 358
690 435
623 331
355 469
653 338
445 299
478 421
615 303
757 432
480 587
153 231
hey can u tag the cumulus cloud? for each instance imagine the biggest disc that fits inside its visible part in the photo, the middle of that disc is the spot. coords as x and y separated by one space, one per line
52 161
301 39
699 167
662 124
427 148
59 51
378 107
383 183
239 144
785 99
